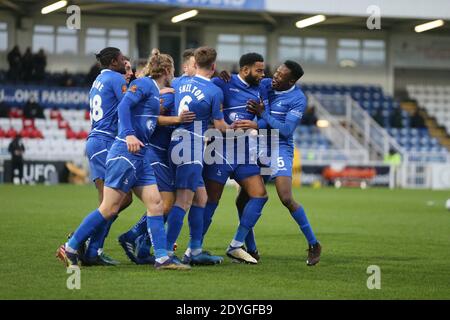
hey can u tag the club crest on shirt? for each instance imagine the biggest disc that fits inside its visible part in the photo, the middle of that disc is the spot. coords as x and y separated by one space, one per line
124 88
233 116
133 88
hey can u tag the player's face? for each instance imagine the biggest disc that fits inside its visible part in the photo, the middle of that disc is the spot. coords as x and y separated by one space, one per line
128 71
281 80
119 64
170 75
189 67
255 74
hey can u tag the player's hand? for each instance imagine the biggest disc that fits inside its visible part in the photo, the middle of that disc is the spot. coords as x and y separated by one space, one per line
225 76
166 90
244 125
187 116
255 107
163 111
133 144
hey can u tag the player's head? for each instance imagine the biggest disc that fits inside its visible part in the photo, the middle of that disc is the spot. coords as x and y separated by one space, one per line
159 65
252 68
189 62
111 58
205 59
128 70
287 75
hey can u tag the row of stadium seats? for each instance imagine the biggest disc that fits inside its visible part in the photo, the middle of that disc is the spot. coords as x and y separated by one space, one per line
435 100
55 126
48 149
309 137
373 100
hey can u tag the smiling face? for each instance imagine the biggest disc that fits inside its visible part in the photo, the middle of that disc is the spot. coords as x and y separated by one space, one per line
128 71
118 64
282 79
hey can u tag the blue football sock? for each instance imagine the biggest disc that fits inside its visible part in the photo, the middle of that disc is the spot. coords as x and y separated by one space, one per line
301 219
174 225
98 239
157 234
138 229
89 225
250 241
195 219
252 212
207 216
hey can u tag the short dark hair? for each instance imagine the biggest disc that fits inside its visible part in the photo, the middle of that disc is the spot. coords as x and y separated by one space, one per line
187 54
249 59
296 69
205 57
107 55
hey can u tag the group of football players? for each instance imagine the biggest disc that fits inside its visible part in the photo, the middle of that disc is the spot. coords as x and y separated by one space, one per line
148 137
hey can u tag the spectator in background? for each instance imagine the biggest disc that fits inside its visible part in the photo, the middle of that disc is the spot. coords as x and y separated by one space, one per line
33 110
27 66
14 61
93 73
309 118
17 149
396 119
268 72
417 121
66 79
40 63
4 110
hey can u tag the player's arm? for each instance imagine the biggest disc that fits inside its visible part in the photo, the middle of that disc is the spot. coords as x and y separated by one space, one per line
184 117
287 128
129 101
258 123
221 125
217 112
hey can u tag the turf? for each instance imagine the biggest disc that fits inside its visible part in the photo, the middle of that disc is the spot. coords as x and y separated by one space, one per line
404 232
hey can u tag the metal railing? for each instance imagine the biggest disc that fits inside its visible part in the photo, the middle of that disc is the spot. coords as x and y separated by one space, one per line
360 124
340 137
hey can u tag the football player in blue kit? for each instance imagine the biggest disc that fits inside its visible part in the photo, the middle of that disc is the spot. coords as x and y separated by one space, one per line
287 103
127 168
199 95
237 92
107 91
136 241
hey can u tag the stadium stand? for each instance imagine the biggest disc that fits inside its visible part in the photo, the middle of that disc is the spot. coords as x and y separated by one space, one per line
435 100
375 102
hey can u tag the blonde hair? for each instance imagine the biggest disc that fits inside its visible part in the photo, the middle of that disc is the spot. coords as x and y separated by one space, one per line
158 64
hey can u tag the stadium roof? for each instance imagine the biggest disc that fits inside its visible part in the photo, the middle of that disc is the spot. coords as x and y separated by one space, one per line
350 14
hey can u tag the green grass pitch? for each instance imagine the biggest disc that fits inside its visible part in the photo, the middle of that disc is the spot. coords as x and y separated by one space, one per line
404 232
